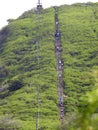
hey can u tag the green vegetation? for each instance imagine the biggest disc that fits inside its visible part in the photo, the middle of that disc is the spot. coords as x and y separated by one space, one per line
21 75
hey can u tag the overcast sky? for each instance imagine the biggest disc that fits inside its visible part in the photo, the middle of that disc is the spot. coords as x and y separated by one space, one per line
14 8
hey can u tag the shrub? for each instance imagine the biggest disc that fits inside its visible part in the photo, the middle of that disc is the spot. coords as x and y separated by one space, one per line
16 83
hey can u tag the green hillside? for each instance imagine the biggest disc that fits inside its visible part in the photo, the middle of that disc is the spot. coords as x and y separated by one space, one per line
21 75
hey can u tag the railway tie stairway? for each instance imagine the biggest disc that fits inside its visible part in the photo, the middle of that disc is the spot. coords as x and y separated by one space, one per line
58 51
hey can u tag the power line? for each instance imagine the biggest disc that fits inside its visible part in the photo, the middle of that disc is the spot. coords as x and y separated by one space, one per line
39 8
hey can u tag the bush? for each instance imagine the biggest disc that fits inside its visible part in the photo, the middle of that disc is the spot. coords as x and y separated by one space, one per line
16 83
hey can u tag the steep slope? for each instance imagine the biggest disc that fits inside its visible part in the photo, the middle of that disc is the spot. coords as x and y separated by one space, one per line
80 54
80 45
20 75
19 57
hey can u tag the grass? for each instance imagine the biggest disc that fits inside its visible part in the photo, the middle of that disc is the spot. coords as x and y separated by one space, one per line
19 56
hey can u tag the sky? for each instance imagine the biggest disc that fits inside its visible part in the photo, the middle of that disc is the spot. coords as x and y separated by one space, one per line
11 9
